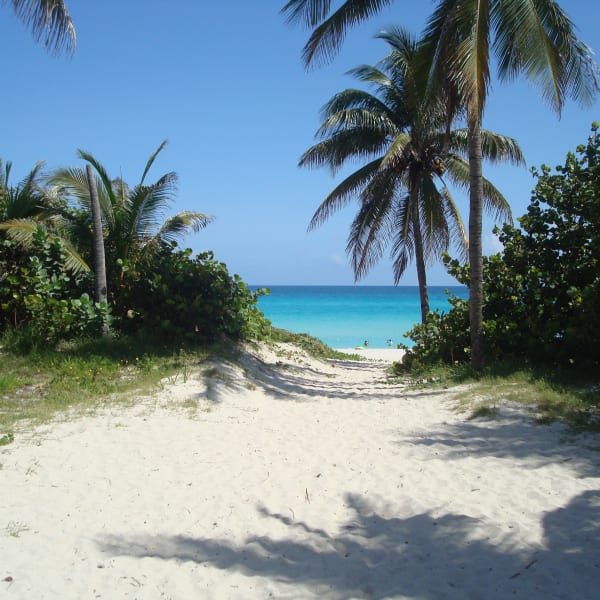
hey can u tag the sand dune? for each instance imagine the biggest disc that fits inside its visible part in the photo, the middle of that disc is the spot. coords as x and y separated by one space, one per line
284 477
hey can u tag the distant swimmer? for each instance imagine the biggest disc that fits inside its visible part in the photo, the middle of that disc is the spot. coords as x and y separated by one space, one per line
390 342
366 342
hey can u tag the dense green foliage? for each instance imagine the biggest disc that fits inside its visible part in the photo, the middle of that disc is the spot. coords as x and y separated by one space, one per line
542 292
178 295
41 299
462 42
154 288
172 297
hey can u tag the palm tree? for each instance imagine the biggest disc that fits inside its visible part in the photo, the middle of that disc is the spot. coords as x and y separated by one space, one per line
409 149
49 21
133 218
530 37
29 206
99 254
21 201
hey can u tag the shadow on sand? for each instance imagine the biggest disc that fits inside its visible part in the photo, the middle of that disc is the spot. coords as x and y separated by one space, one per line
379 557
301 382
510 434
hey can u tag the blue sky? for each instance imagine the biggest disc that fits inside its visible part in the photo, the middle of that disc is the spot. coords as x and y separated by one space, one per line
224 84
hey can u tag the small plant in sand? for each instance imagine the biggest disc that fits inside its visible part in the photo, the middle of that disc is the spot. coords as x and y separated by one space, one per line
15 528
7 438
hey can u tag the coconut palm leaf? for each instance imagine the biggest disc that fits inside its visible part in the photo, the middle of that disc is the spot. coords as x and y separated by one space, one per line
339 148
174 228
345 191
495 147
49 21
24 200
151 160
329 31
23 230
494 202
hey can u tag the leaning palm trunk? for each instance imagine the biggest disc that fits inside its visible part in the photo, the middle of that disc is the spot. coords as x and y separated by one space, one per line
420 256
99 256
475 243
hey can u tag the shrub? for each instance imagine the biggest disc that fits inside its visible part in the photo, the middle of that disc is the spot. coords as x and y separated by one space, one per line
177 295
41 301
542 292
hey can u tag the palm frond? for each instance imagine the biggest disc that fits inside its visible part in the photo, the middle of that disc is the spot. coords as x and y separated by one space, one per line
22 232
496 148
330 28
73 182
152 159
538 39
395 154
435 229
372 229
352 98
177 226
404 46
147 205
458 232
403 245
493 200
495 204
347 190
49 21
371 75
339 148
24 200
106 182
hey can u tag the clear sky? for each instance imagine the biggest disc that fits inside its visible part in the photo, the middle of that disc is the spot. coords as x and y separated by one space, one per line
224 84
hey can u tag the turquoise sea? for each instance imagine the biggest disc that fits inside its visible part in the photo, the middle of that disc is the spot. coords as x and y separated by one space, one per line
346 316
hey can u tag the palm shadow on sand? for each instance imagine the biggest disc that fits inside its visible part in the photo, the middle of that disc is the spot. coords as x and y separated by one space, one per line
301 382
375 556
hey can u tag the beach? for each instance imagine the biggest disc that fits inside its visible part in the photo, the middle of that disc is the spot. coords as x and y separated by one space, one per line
276 475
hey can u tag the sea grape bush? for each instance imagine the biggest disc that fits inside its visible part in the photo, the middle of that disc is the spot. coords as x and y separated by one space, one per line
173 296
177 295
39 297
542 292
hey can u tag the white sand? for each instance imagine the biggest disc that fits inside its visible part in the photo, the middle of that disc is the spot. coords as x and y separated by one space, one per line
295 479
388 355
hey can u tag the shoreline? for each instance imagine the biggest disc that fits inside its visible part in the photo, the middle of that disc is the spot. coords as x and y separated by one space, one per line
388 355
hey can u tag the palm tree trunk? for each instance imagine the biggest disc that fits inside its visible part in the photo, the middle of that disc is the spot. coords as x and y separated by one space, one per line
420 256
99 258
475 245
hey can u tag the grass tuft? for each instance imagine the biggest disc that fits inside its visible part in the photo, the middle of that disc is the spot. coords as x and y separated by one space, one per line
552 395
77 378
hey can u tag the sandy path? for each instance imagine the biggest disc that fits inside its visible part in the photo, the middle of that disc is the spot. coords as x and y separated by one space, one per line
297 479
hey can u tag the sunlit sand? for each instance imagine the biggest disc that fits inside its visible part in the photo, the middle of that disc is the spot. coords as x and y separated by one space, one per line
284 477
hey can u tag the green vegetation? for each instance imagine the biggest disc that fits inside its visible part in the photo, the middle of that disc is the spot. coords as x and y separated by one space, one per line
541 301
165 311
309 344
76 377
535 305
542 292
47 243
462 41
550 394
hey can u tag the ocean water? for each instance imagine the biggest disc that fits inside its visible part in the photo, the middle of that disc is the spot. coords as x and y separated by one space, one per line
346 316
